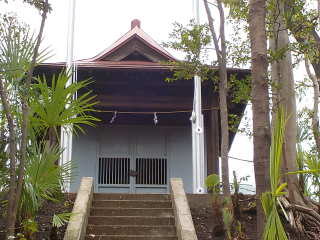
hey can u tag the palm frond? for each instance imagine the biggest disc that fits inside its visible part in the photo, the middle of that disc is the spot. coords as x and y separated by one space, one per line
42 178
60 219
16 50
56 106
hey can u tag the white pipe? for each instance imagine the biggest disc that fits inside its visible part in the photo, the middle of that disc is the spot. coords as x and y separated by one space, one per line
198 131
66 137
70 40
194 156
197 13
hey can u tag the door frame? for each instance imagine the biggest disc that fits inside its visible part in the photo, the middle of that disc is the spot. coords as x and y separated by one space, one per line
132 187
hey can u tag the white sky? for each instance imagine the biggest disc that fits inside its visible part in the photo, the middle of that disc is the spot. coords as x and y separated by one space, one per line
99 23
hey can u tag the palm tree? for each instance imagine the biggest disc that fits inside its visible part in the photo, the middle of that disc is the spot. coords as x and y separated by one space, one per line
56 107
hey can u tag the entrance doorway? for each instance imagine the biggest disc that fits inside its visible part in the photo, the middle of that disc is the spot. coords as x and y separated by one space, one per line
133 160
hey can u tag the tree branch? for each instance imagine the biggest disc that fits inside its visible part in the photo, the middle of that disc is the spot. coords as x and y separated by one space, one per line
13 208
213 4
12 155
315 120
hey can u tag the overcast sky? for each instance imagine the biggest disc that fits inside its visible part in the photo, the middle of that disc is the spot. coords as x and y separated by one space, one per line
99 23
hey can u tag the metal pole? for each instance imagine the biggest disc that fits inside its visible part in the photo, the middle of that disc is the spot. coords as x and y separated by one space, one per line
197 130
66 137
70 40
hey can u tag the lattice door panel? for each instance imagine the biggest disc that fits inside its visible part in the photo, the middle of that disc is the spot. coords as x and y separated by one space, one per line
114 170
151 171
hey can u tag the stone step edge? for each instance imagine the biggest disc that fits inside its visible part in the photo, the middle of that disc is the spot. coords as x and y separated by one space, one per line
125 200
112 208
131 194
135 226
144 237
151 217
128 236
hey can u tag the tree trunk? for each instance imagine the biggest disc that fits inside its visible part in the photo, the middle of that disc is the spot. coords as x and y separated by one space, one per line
282 74
223 90
10 216
315 119
16 192
260 104
53 141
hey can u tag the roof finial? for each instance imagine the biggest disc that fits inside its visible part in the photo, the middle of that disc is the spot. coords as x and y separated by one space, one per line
135 22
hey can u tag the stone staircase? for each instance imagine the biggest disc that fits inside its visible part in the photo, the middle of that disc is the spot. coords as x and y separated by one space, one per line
131 216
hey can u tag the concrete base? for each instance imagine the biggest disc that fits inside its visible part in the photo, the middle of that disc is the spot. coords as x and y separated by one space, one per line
76 229
201 200
183 219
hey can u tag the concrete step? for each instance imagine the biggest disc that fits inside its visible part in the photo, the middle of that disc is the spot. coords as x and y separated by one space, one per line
118 216
169 231
132 220
131 204
127 237
155 212
131 196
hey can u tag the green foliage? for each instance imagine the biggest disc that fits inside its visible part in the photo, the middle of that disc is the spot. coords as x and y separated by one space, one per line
299 17
38 4
235 120
16 49
239 228
227 220
300 20
57 107
192 39
239 54
43 179
228 203
212 181
60 219
235 187
312 163
4 170
274 228
20 236
307 161
269 200
300 157
30 225
239 10
240 89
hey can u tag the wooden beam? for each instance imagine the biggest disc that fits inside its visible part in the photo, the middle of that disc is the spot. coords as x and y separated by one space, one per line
215 137
148 102
209 150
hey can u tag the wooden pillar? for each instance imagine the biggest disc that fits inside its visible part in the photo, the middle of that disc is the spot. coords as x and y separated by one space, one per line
213 138
209 147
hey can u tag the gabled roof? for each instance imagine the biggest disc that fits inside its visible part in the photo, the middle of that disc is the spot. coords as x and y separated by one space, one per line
135 42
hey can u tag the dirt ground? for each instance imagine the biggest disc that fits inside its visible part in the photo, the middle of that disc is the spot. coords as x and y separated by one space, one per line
203 222
44 219
202 218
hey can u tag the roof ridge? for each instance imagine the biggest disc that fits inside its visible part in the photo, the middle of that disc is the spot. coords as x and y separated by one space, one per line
135 31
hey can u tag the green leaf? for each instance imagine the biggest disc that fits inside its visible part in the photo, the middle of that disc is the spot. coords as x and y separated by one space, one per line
280 188
227 220
60 219
212 181
42 179
304 171
56 106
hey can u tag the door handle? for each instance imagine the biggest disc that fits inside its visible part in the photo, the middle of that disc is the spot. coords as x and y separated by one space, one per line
133 173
